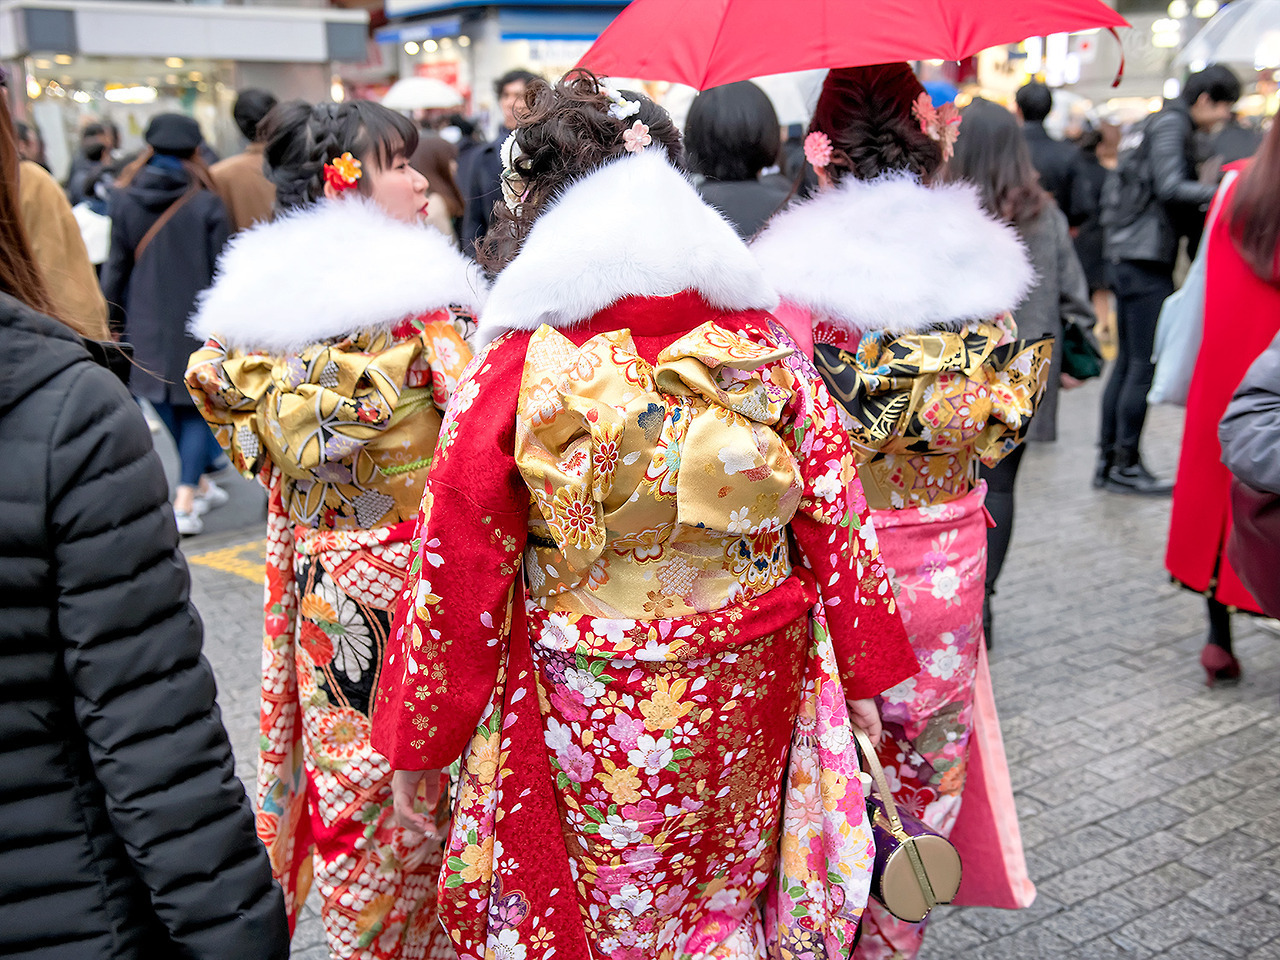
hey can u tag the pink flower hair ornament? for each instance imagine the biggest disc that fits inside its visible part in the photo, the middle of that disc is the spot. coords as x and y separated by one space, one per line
343 173
817 150
636 137
941 125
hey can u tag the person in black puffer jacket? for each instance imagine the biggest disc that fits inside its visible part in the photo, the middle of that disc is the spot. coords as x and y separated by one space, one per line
124 832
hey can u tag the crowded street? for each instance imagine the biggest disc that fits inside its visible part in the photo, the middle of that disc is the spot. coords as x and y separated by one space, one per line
1149 805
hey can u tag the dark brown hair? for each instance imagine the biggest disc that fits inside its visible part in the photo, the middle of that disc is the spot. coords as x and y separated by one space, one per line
433 160
866 111
565 131
1255 210
992 155
19 275
301 138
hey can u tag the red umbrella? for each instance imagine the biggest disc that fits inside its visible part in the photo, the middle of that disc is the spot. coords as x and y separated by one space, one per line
705 43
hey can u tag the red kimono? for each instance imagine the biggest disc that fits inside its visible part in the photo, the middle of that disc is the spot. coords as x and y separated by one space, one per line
646 583
1241 317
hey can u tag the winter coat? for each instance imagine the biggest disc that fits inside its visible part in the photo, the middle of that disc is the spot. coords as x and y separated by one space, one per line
1058 164
59 251
124 831
1241 318
1060 295
250 197
153 298
480 181
1090 235
1250 429
748 204
1178 201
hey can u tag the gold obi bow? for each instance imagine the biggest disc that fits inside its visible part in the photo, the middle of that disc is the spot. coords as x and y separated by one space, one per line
620 453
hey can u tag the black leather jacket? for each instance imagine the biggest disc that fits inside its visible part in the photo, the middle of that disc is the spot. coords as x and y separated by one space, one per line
1179 201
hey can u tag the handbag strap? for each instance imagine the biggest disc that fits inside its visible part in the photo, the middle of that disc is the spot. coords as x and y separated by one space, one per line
895 822
163 219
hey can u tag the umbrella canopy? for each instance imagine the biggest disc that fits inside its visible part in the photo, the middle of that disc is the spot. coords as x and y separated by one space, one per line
1246 32
705 43
421 93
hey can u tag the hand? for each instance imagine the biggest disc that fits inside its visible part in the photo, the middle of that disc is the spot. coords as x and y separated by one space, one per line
866 716
1211 170
404 792
1068 382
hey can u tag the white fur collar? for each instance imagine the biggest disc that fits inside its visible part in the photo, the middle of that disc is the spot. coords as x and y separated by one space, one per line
634 227
893 254
330 269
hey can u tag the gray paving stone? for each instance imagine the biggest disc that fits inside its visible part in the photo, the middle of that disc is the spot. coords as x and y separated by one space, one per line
1195 950
1088 919
1080 883
1084 844
1162 885
1226 852
1203 794
1237 886
1246 929
1144 819
1171 924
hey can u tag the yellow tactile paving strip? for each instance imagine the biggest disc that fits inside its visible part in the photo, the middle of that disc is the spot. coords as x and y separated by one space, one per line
243 559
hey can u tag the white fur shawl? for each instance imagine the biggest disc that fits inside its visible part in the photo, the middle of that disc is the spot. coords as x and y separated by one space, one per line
634 227
330 269
893 254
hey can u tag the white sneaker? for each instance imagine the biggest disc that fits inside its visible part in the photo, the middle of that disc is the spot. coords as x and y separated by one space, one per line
189 522
212 498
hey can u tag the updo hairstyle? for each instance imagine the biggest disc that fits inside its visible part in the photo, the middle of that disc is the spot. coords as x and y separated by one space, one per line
866 111
301 138
565 131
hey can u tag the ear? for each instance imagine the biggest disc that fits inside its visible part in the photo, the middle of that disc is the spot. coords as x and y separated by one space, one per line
824 179
329 192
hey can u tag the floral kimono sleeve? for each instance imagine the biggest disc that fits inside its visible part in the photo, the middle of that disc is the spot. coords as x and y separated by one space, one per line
449 636
832 529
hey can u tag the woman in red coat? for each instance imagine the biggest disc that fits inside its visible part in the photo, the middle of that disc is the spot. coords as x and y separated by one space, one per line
1241 316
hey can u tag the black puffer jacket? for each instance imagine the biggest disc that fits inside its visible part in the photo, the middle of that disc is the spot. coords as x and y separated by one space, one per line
124 833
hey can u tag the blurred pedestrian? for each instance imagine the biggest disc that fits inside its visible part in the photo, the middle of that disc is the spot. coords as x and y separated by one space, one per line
30 146
908 286
731 135
1152 200
1057 161
331 347
168 225
480 179
125 833
436 159
250 197
58 248
92 156
994 157
1241 317
626 550
1089 235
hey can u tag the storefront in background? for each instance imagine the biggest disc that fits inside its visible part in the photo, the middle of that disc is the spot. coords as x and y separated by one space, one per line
80 61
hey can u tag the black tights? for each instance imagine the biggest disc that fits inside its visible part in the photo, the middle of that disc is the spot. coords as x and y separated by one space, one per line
1000 480
1219 625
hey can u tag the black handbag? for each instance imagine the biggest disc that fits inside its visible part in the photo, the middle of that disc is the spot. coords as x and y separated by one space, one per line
1081 357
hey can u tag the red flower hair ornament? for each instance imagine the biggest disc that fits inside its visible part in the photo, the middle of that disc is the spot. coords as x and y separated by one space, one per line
343 173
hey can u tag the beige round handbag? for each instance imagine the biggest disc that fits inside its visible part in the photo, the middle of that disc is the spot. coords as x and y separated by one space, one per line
916 868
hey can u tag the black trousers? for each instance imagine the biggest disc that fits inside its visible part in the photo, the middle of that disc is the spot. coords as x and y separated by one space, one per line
1140 289
1000 480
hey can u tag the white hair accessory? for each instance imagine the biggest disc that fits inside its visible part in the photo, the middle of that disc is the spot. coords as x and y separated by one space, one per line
621 108
513 185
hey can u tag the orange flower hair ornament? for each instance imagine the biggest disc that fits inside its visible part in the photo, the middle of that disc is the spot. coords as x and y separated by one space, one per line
941 125
342 173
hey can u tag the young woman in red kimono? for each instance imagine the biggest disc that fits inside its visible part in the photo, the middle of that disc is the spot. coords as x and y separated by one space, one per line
334 336
647 606
907 286
1241 316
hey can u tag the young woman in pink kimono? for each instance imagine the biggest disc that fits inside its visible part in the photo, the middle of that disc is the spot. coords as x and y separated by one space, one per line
647 606
906 287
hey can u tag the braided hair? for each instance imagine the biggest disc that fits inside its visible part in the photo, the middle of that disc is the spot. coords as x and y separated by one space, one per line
301 138
866 111
565 132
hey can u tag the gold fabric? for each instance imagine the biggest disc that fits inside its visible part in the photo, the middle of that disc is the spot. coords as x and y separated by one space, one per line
924 409
350 423
602 437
